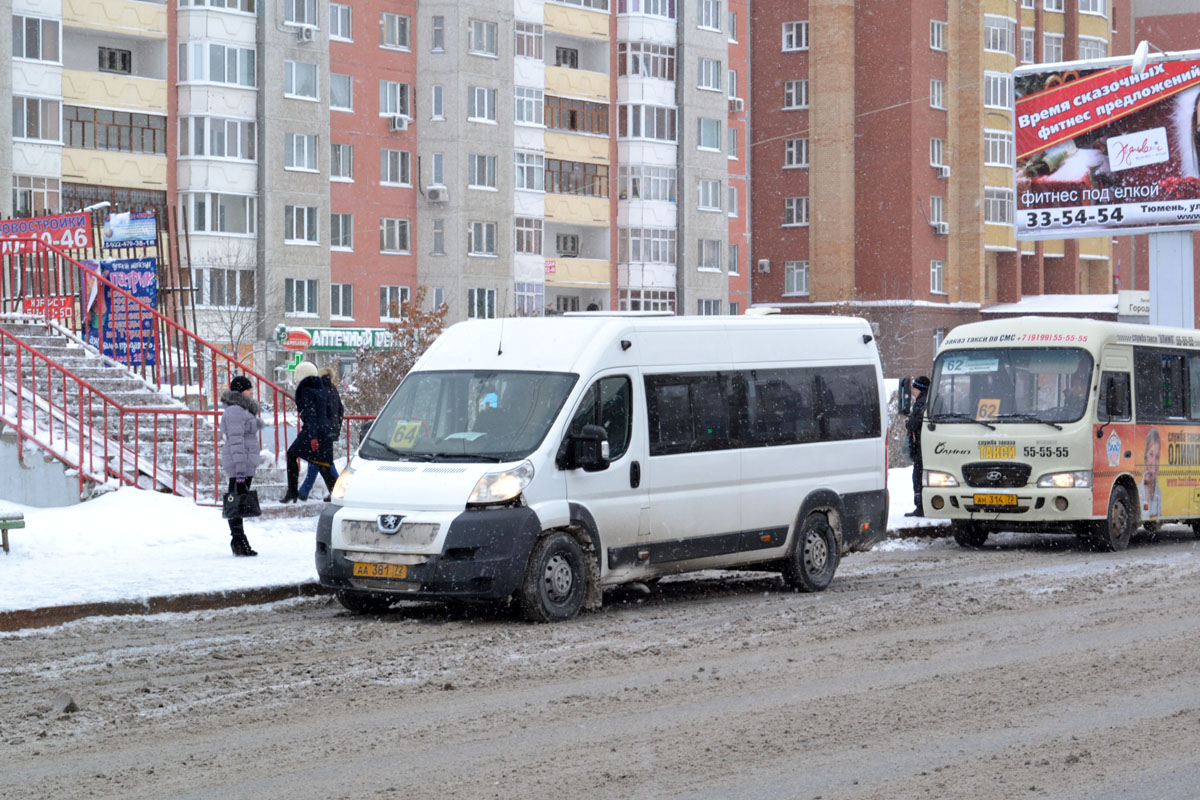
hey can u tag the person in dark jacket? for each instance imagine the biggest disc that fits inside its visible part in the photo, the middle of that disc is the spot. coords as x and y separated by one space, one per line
240 425
314 442
914 424
335 411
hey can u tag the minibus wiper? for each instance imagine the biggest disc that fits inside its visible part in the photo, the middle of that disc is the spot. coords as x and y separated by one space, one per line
957 417
1029 418
387 447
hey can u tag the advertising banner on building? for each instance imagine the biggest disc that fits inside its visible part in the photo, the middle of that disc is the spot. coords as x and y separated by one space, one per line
66 231
332 340
1102 150
131 229
112 323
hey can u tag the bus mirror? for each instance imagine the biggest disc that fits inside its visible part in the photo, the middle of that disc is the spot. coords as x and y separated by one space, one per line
905 396
587 449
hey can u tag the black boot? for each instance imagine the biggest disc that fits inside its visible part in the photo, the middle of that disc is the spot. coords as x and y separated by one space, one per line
291 497
241 545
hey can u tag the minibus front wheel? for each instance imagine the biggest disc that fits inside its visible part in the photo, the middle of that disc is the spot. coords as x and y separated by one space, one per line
814 555
968 534
1114 531
556 579
363 602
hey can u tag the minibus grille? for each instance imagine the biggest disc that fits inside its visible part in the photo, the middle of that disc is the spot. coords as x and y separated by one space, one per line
991 474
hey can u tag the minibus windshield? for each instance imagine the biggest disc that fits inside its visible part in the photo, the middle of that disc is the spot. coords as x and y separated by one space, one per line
467 415
1004 385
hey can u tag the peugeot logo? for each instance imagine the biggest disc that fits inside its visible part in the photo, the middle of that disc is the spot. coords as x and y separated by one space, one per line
389 523
994 475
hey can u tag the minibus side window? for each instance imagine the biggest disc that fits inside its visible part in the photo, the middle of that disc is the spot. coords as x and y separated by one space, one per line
1119 381
1194 387
1160 384
608 403
847 403
687 413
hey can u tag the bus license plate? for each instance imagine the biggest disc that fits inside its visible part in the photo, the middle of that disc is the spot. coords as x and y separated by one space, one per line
396 572
995 499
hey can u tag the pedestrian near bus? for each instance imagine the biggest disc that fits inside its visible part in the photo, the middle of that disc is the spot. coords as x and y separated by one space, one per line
240 425
335 411
314 442
914 424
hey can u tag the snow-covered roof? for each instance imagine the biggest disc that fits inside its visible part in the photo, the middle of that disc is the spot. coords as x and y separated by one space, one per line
1075 304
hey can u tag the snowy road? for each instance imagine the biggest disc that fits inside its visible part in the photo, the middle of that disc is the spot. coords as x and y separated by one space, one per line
1028 669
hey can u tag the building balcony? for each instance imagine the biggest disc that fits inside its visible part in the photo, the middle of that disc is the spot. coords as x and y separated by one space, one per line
577 210
581 273
576 147
114 168
580 83
576 21
142 19
108 90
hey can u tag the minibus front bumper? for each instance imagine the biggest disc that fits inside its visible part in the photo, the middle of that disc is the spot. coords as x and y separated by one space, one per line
1023 508
483 557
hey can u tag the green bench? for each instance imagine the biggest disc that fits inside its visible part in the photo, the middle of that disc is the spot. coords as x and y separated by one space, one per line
9 520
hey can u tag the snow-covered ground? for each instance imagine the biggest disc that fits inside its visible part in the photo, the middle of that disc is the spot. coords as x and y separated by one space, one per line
132 545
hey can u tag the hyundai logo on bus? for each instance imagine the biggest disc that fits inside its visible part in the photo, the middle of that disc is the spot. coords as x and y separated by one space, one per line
995 475
389 523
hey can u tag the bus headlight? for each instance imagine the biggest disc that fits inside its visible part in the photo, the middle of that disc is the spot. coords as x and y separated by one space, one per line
501 487
1066 480
339 486
940 479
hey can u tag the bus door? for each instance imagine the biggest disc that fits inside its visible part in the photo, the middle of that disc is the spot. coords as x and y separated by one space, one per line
1113 442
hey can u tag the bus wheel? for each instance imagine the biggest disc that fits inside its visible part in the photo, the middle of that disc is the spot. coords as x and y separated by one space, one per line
555 579
968 535
1152 530
1114 532
814 556
363 602
1196 529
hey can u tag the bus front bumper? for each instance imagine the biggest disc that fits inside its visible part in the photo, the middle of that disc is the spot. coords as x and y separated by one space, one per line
1018 507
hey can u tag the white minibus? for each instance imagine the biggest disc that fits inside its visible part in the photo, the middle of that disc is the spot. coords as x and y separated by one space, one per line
542 459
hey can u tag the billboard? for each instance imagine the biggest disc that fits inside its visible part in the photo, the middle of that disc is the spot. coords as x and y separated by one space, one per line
1100 150
67 231
130 229
111 323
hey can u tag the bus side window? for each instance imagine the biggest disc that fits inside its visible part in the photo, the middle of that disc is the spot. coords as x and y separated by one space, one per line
1193 387
1114 386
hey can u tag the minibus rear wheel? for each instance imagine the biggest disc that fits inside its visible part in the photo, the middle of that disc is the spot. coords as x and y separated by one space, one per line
363 602
814 555
1114 532
555 582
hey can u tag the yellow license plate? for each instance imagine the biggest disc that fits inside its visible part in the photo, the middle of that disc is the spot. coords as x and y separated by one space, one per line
397 572
995 499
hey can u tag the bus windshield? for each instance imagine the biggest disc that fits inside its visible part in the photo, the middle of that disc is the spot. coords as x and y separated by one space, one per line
1001 384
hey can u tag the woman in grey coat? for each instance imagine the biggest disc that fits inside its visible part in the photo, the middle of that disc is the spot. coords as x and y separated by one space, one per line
240 425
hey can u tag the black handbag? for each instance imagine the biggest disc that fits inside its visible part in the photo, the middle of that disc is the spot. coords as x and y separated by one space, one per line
244 504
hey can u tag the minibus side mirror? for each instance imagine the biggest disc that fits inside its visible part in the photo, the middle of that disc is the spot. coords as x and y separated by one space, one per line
586 450
905 396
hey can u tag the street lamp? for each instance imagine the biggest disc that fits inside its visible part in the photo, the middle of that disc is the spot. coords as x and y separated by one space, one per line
94 207
1141 54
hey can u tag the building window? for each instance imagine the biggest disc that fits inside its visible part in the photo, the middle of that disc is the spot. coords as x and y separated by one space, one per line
795 277
113 59
647 183
210 212
528 39
579 116
531 168
651 8
647 300
935 276
1052 47
393 235
734 267
300 224
937 34
216 63
1091 47
1053 5
392 300
481 303
481 238
566 57
245 6
1027 45
708 308
340 27
997 205
394 31
1092 7
437 105
936 89
481 104
300 12
708 134
481 38
530 299
646 122
795 94
710 15
795 152
733 26
646 60
999 34
937 149
393 99
481 171
795 211
395 168
997 90
733 83
795 36
300 151
528 106
732 200
341 300
35 38
1027 3
439 241
528 235
731 142
998 148
709 255
709 70
646 245
34 196
576 178
300 80
341 162
438 29
341 92
224 288
36 118
341 231
567 244
936 204
437 170
299 296
131 132
710 195
939 336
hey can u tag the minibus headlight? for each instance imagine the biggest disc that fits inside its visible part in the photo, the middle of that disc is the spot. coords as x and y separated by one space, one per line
1066 480
501 487
940 479
343 481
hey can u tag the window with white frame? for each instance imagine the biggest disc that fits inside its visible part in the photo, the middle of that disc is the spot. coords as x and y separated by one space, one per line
567 244
300 296
566 57
529 298
1027 41
481 104
731 200
795 94
708 308
1053 5
997 205
36 39
1027 3
216 63
341 92
734 266
795 277
635 121
437 169
647 300
481 171
437 103
710 195
300 80
341 231
997 89
937 34
528 38
795 211
937 151
1093 7
709 255
300 224
936 205
220 287
653 8
393 235
733 26
733 82
438 244
481 37
1092 47
647 183
216 137
998 148
394 31
527 233
528 106
341 162
300 151
392 300
937 90
300 12
437 30
936 268
731 142
34 196
341 300
481 303
710 15
795 35
1052 47
481 238
939 336
709 71
708 134
795 152
999 34
395 168
393 99
244 6
340 19
646 59
646 245
530 170
212 212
